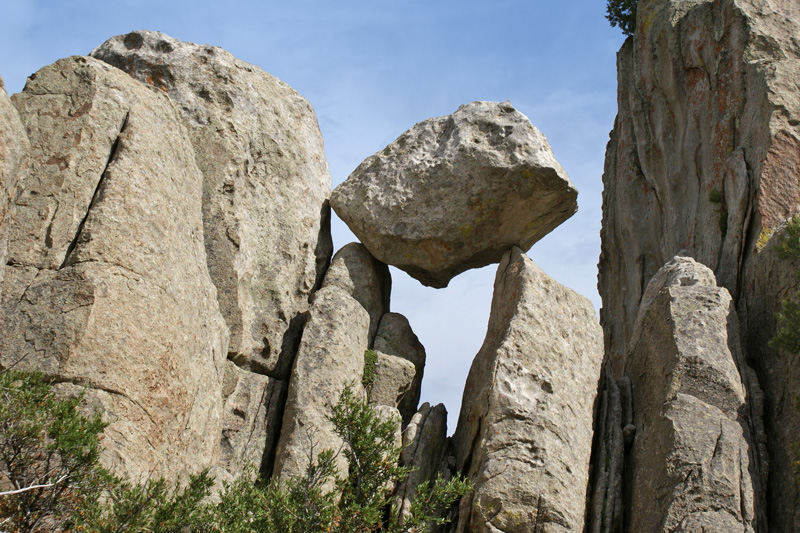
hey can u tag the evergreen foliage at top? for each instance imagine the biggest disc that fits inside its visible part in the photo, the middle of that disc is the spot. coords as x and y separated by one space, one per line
622 13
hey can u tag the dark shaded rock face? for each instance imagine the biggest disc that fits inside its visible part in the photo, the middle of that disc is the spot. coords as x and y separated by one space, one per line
524 431
703 161
457 192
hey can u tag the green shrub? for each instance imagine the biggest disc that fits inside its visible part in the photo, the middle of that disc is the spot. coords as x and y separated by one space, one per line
788 336
49 457
622 13
368 378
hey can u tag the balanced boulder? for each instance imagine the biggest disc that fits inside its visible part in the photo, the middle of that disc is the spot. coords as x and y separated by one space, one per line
456 192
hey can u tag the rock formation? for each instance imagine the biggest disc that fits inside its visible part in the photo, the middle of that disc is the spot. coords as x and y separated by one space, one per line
106 284
265 214
456 192
695 462
331 354
364 278
703 158
265 187
251 421
14 149
524 431
423 445
164 242
396 339
392 381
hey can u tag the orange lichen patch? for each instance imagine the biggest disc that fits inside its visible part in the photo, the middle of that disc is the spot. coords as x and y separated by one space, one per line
698 85
779 193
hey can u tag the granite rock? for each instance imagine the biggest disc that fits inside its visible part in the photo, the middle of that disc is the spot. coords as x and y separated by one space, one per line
456 192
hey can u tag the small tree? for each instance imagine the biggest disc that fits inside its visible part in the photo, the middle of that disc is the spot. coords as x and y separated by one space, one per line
788 337
48 455
357 503
622 13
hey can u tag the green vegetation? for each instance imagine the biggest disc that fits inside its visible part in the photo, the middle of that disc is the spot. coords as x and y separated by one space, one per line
788 337
715 196
51 480
368 378
622 13
788 248
51 477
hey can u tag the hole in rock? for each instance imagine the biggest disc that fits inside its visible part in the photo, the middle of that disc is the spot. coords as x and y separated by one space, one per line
450 323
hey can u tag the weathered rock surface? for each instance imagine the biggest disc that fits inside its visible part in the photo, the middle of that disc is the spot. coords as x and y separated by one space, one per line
364 278
331 354
107 284
524 431
251 420
265 190
396 338
393 379
14 149
704 158
423 444
694 461
456 192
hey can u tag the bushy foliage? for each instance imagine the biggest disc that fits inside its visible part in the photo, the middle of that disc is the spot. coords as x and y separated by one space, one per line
788 248
788 337
48 455
52 480
622 13
323 501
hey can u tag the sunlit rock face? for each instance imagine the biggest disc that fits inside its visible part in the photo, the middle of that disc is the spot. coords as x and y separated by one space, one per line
107 285
14 148
524 432
265 186
704 160
457 192
696 459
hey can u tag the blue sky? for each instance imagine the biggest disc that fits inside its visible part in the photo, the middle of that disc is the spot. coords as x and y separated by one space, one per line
371 70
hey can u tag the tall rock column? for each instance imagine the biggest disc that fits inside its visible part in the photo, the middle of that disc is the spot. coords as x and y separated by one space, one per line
343 315
265 215
524 431
695 462
704 161
106 285
265 186
14 149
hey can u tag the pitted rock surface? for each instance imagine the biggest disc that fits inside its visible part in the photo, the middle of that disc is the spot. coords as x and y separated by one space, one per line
524 432
457 192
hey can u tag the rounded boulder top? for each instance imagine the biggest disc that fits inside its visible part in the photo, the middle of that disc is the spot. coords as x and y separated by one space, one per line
456 192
